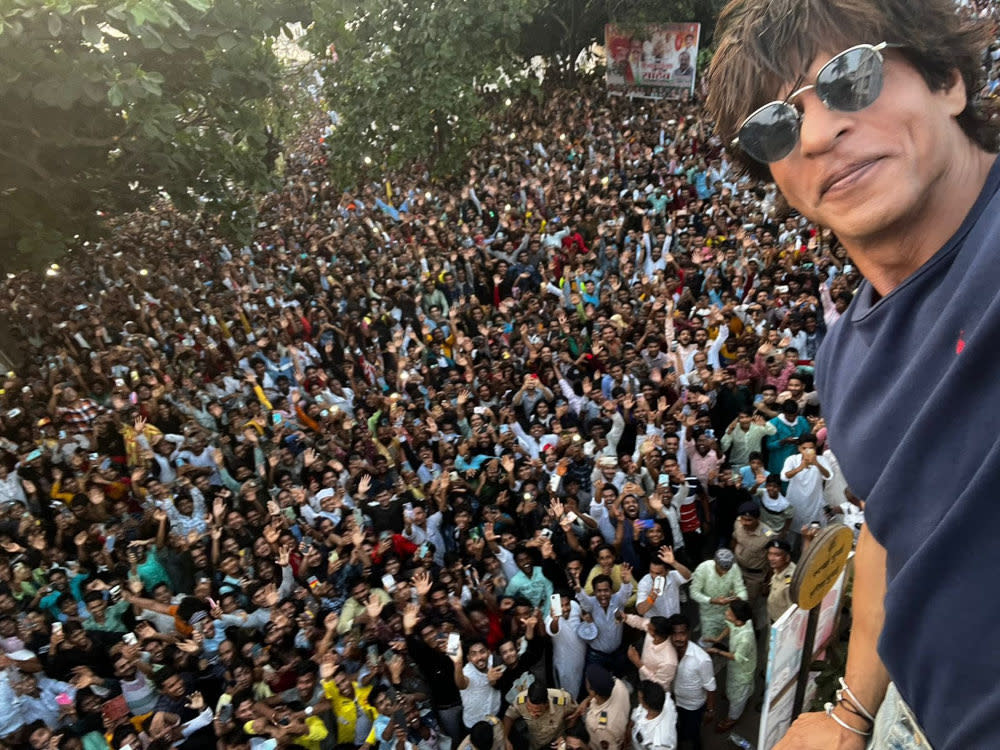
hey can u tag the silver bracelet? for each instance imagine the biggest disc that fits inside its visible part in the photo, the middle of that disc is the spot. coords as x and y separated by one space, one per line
829 712
846 690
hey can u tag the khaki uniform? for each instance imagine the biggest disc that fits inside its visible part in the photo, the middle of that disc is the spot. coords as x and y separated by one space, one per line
751 555
608 722
780 598
499 740
550 725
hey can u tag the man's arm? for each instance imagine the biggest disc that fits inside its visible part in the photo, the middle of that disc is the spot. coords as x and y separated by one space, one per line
866 675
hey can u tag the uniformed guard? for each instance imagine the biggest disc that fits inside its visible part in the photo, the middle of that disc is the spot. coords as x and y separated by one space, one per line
487 734
779 558
750 538
540 714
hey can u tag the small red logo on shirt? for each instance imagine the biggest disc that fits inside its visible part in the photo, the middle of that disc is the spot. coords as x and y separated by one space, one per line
960 344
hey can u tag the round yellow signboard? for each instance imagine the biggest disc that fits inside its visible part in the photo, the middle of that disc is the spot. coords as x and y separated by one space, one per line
819 568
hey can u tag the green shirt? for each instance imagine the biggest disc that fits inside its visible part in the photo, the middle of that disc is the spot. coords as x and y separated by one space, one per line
112 619
743 647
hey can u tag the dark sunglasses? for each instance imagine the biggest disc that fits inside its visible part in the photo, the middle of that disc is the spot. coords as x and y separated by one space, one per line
849 82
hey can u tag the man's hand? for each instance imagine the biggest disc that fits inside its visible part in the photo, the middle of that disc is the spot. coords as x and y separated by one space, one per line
422 583
667 555
817 731
633 656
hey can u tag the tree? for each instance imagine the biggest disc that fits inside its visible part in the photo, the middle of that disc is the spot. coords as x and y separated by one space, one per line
408 78
111 102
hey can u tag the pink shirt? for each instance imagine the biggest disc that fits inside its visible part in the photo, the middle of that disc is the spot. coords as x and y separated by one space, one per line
702 467
659 661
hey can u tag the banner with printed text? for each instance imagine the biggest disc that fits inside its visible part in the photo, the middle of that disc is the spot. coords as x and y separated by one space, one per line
652 60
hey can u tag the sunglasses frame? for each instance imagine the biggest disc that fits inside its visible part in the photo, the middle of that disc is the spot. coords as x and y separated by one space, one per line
786 102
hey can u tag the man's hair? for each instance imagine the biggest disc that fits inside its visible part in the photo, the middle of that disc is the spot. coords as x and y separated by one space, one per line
599 579
765 46
653 694
742 610
481 735
538 694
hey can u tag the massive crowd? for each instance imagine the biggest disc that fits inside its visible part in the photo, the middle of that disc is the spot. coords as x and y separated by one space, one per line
509 461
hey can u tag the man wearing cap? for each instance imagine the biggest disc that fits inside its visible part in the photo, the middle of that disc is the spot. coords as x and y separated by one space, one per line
779 560
749 543
714 585
605 709
546 714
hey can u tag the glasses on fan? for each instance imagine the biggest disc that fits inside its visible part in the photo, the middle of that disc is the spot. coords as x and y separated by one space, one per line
849 82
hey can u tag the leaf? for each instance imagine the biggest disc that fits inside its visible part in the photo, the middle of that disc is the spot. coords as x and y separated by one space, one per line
227 41
92 34
201 6
115 96
55 24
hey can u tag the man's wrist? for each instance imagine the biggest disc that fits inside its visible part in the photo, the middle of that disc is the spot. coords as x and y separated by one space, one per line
852 719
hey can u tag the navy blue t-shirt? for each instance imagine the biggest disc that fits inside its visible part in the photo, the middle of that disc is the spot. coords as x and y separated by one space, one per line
910 386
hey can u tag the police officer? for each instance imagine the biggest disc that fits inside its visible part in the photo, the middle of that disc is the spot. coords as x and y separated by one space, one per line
487 734
541 714
779 558
750 539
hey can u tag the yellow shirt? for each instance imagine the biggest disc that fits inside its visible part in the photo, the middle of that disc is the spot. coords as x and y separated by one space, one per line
348 710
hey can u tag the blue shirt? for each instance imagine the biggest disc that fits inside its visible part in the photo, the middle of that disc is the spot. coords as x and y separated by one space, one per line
909 387
609 630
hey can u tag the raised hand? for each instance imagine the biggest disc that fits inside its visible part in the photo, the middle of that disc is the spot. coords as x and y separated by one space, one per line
667 554
422 582
365 484
373 607
331 621
410 616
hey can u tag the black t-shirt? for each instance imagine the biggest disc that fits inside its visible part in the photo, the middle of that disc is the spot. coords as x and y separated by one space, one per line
910 388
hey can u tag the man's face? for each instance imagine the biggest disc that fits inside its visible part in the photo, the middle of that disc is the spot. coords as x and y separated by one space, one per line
602 592
796 388
889 157
777 558
679 637
305 685
508 653
536 710
749 522
479 656
174 687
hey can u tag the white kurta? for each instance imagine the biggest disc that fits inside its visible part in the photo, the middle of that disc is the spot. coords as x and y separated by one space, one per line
569 651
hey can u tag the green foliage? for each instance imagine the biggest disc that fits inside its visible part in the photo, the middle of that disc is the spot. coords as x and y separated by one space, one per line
107 103
410 77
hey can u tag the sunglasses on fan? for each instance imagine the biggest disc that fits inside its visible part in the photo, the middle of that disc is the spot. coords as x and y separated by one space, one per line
849 82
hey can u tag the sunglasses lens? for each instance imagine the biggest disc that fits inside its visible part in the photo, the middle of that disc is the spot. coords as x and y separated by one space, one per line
851 81
770 134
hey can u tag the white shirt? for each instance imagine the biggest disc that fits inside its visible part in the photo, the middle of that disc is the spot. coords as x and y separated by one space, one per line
569 650
694 679
655 734
669 602
480 699
805 491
